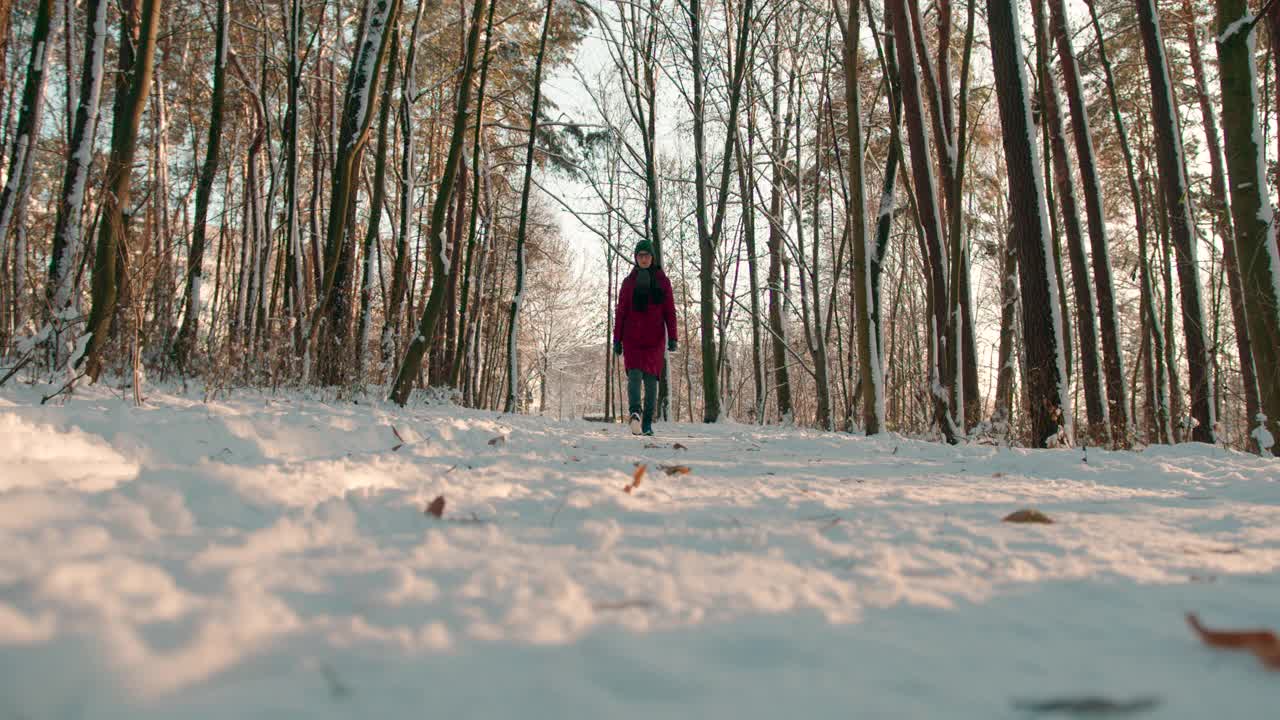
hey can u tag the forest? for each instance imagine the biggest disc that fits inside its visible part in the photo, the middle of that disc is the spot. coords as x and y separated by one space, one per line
1041 223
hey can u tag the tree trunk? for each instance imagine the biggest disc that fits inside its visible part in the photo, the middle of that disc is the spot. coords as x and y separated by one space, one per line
441 264
1178 204
295 295
473 223
930 220
208 171
747 188
1045 378
1222 214
1161 370
1169 350
1095 408
870 375
884 220
391 328
513 323
13 198
1001 414
1139 212
364 329
132 86
1099 244
61 288
377 24
968 373
1251 208
779 140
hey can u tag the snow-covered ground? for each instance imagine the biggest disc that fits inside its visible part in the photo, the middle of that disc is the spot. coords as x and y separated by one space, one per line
268 556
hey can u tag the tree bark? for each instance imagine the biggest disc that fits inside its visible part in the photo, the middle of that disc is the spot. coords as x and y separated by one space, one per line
1095 408
13 198
208 171
867 331
747 189
779 140
1045 378
1178 205
930 219
295 284
709 236
1222 213
1251 210
473 222
68 235
513 319
1002 413
1140 218
132 86
364 329
441 264
1099 245
362 84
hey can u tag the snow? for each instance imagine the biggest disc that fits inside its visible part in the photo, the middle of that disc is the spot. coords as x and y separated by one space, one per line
1261 434
197 285
376 20
1244 20
268 556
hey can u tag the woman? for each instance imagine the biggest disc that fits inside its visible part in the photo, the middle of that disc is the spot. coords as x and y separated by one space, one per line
645 309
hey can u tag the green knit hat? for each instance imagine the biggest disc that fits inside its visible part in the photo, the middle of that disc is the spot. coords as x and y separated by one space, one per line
644 246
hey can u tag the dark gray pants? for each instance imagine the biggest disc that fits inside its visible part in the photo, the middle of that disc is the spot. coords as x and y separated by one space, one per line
634 376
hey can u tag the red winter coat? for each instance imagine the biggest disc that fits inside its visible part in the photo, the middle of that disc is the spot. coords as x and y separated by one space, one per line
641 331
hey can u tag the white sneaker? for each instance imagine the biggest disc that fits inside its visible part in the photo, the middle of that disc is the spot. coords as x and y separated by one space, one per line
635 423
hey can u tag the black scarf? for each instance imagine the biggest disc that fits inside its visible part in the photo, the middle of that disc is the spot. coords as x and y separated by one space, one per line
647 288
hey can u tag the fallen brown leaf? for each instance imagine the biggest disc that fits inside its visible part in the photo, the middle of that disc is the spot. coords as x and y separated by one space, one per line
653 446
501 439
635 479
678 446
1231 638
436 508
674 469
397 434
1027 515
1261 642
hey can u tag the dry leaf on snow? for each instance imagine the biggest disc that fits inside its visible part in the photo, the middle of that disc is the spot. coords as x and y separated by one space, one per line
674 469
635 479
436 508
1261 642
1027 515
